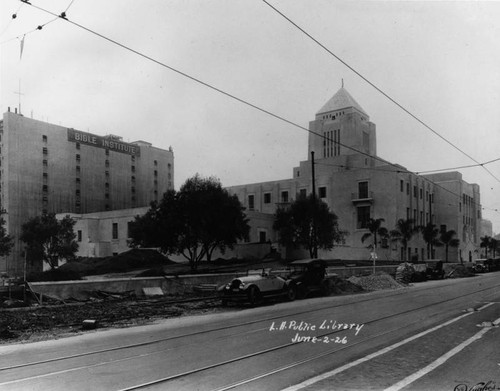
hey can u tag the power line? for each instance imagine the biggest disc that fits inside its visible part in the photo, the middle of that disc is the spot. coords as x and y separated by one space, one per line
254 106
378 89
460 167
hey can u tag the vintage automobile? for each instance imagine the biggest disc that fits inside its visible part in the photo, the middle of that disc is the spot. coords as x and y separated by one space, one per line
310 276
480 266
255 286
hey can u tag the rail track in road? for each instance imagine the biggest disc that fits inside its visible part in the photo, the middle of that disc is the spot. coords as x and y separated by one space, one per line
265 320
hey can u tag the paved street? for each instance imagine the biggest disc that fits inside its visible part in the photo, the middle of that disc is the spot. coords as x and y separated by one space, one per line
281 345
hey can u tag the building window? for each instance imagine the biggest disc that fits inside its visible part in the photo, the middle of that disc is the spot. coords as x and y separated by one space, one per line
402 185
106 185
363 216
133 190
303 193
156 162
106 196
407 189
77 169
77 145
284 196
267 198
262 237
106 163
45 151
155 173
77 157
115 231
45 188
79 235
322 192
77 181
77 192
133 168
44 162
44 138
107 152
129 229
415 191
421 193
363 189
251 202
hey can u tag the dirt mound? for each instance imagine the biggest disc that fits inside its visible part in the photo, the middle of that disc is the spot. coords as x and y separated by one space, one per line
376 282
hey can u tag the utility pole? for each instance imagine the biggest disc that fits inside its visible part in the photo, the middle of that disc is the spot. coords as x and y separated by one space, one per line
314 244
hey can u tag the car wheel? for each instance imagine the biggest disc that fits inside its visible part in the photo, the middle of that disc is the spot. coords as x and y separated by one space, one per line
253 295
301 292
291 293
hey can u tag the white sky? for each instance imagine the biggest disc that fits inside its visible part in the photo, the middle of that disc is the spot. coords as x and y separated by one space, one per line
440 60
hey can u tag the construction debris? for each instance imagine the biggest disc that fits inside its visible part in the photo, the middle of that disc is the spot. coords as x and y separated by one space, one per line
376 282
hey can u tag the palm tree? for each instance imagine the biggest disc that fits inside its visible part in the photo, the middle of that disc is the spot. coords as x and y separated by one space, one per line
375 228
486 244
494 246
430 235
448 239
404 231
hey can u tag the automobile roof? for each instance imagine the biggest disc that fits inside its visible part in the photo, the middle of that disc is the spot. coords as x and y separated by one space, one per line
307 261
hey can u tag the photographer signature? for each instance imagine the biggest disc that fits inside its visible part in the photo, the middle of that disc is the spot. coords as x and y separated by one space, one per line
482 386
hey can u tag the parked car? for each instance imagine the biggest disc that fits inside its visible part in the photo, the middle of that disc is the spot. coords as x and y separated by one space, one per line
480 266
257 285
311 276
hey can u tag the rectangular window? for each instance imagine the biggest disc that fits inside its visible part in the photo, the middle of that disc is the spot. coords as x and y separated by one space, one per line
415 191
129 228
408 189
363 216
322 192
303 193
44 138
115 230
45 151
402 185
77 145
262 237
79 235
363 189
284 196
267 198
251 202
421 193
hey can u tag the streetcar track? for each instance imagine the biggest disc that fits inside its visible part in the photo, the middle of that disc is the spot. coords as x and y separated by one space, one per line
265 351
283 346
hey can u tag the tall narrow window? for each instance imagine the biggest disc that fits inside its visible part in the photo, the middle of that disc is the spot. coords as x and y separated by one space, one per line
115 230
251 202
284 196
363 216
363 189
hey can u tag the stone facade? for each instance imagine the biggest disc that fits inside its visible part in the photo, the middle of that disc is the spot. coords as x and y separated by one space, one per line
357 185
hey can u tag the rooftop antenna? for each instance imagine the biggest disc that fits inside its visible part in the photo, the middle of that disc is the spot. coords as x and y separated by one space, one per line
19 93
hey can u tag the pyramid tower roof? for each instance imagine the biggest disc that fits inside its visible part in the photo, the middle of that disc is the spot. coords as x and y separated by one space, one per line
341 100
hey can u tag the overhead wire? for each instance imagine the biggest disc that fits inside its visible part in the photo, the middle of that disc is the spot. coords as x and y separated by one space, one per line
38 28
234 97
378 89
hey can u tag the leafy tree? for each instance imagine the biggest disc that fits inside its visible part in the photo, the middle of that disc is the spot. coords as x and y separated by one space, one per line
308 223
403 232
196 220
430 235
448 239
486 244
6 241
376 229
49 240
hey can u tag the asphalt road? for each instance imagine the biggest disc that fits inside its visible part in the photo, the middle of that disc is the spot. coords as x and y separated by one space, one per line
332 343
